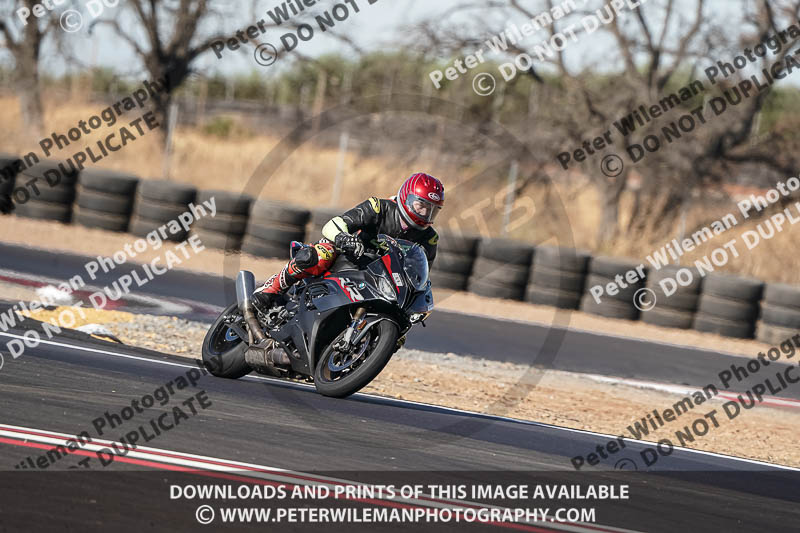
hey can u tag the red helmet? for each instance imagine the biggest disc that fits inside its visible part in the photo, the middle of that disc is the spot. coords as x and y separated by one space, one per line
420 199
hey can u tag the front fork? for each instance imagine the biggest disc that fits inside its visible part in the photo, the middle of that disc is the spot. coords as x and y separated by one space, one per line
345 344
356 327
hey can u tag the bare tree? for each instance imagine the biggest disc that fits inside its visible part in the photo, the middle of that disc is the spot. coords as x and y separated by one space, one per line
25 45
656 50
170 38
174 33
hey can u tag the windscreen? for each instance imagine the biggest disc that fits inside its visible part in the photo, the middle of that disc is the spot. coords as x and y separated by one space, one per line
415 264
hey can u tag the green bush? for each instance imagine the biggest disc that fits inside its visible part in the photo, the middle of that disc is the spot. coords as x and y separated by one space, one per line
222 127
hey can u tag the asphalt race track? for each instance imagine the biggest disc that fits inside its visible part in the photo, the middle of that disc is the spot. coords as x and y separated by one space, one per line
447 332
63 388
248 428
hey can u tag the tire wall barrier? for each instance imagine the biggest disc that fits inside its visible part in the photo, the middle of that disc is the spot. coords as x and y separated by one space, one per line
729 306
726 305
557 277
156 203
678 309
455 259
501 269
272 227
9 176
226 230
317 219
104 199
44 192
779 316
602 271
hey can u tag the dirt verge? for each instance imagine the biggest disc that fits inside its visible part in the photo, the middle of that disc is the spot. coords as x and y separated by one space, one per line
561 398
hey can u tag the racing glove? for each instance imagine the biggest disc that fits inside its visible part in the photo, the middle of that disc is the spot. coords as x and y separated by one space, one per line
6 205
350 245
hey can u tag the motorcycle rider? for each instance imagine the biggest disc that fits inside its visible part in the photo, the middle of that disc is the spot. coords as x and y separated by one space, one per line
409 216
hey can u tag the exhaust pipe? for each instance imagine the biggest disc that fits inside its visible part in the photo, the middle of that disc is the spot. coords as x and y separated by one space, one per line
245 286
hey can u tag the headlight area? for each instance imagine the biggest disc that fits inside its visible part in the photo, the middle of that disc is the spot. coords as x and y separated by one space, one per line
416 318
386 288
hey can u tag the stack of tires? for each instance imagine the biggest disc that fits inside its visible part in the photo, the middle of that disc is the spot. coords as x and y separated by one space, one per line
676 310
157 203
501 269
557 277
603 270
50 196
455 256
780 313
224 231
8 173
729 306
104 199
272 227
320 217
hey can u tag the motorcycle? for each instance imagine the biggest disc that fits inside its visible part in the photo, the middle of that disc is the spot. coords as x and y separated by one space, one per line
339 330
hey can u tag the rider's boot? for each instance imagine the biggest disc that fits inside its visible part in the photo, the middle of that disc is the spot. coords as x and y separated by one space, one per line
271 293
308 261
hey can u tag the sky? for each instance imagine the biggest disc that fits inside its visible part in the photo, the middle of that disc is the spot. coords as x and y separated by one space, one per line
369 29
377 26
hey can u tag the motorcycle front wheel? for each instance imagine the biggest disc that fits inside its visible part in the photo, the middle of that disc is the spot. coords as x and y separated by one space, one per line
223 350
341 374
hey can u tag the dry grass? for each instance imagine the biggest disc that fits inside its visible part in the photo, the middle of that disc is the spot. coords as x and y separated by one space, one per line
771 260
211 162
475 205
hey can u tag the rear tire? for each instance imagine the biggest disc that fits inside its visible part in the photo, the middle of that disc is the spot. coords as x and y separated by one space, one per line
223 356
359 378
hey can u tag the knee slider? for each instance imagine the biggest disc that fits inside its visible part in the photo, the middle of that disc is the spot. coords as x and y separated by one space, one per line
306 258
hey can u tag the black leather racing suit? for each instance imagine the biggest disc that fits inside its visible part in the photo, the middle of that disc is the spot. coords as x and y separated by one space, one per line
367 219
375 216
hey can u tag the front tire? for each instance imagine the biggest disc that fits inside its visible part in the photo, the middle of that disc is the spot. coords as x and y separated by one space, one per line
223 350
382 341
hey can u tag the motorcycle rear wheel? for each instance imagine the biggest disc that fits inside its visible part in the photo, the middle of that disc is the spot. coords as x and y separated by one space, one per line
382 341
223 350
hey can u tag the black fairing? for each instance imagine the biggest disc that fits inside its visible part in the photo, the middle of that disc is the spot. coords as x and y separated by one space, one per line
323 308
421 302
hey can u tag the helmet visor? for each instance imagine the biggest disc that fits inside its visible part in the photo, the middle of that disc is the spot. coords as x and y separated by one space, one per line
423 209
